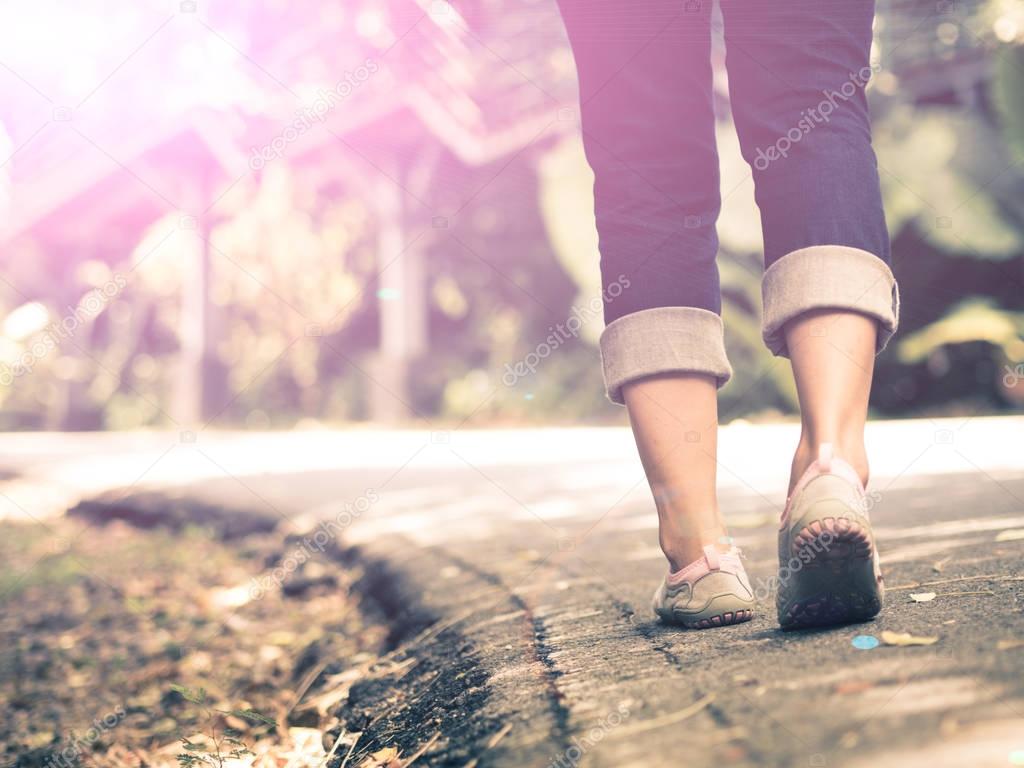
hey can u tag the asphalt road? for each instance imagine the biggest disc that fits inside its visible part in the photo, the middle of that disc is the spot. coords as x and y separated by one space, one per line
517 568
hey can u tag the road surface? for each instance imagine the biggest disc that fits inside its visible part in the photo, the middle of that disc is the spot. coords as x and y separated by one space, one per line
517 566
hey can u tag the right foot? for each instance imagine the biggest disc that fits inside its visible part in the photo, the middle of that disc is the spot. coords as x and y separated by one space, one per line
710 592
828 562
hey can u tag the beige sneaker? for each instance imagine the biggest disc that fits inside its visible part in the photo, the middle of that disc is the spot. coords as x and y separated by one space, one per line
711 592
828 561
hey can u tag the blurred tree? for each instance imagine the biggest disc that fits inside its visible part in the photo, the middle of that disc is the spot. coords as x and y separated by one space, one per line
949 146
505 230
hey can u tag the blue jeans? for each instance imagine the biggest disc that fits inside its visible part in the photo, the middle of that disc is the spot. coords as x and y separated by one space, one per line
797 71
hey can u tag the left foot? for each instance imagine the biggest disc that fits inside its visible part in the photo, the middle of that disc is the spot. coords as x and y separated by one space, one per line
710 592
828 562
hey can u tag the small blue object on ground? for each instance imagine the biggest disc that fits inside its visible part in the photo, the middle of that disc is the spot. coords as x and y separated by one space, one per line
865 642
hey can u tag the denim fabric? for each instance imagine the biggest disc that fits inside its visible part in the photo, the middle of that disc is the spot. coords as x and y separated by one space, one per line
796 70
663 340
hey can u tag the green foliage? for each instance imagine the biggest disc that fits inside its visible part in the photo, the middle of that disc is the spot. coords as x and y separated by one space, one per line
955 176
1008 95
253 716
936 166
973 319
196 696
566 200
221 745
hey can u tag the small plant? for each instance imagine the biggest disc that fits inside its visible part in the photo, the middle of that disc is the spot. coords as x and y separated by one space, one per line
227 745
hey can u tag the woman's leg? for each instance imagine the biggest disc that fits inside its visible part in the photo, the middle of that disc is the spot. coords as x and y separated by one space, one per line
833 357
674 419
797 74
648 132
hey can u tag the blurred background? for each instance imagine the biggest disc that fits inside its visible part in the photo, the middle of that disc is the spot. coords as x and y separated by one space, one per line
278 214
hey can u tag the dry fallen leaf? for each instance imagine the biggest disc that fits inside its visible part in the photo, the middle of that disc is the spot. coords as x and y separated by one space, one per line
382 758
905 638
922 597
849 740
1006 645
307 742
948 726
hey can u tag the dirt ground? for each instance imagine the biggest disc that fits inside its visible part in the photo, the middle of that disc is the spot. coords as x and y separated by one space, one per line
108 631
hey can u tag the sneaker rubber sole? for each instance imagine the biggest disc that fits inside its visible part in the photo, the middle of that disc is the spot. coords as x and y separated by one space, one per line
833 576
722 611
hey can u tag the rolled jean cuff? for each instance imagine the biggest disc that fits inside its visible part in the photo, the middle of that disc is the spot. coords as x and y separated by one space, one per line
662 340
828 277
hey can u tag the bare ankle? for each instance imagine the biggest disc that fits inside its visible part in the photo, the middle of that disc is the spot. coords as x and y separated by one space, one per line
848 448
683 543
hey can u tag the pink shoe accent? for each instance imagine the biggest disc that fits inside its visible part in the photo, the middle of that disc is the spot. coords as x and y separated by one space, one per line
825 456
711 555
713 560
712 591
